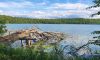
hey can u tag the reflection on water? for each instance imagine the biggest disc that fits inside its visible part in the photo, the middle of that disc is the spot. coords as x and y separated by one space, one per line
77 34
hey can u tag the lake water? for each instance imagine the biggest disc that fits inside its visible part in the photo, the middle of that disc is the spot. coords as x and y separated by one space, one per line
77 29
80 32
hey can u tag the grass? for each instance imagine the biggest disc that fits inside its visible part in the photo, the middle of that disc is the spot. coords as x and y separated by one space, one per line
8 53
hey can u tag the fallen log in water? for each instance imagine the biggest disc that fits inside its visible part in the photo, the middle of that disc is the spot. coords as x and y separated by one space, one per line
32 34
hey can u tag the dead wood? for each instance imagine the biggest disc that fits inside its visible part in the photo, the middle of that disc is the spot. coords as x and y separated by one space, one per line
31 34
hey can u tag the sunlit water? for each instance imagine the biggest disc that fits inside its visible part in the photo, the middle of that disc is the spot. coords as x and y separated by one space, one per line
81 33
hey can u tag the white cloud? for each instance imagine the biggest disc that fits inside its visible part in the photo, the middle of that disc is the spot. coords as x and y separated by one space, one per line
11 13
41 3
75 10
52 14
1 11
46 1
69 6
15 4
40 12
51 8
25 12
22 5
2 4
95 9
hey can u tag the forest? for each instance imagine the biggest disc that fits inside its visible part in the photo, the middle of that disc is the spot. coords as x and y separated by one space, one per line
21 20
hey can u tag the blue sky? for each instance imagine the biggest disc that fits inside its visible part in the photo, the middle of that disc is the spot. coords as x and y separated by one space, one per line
48 8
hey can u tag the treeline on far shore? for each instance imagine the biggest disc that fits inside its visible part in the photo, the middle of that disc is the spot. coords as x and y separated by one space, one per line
20 20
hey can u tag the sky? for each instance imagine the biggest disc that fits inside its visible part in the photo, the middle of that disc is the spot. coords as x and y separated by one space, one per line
48 9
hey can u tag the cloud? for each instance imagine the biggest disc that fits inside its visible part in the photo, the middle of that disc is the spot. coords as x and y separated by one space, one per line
11 13
43 3
2 4
68 6
15 4
20 6
95 9
51 8
51 14
38 12
1 11
75 10
46 1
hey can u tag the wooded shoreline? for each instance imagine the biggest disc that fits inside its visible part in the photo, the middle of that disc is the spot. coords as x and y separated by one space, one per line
20 20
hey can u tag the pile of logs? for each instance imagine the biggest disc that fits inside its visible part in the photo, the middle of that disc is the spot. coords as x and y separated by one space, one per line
32 34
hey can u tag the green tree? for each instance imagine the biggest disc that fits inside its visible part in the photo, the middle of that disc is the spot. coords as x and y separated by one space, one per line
2 28
97 4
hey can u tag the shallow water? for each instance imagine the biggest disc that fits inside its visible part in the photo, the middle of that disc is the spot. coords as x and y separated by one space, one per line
79 33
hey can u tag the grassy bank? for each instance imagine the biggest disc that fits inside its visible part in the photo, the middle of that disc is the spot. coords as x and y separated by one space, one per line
8 53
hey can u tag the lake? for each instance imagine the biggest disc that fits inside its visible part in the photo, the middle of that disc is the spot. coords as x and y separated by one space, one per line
81 33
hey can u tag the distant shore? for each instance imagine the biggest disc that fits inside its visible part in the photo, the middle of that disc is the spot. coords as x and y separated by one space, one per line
21 20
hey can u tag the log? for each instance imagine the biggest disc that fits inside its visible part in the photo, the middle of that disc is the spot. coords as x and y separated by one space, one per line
31 34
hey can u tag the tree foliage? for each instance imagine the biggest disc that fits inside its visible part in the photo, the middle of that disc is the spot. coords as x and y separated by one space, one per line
20 20
97 4
2 28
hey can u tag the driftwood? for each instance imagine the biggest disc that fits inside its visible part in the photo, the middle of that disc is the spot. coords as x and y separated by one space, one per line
31 34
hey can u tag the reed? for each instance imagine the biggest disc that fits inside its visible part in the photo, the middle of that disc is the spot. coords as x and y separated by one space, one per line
8 53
